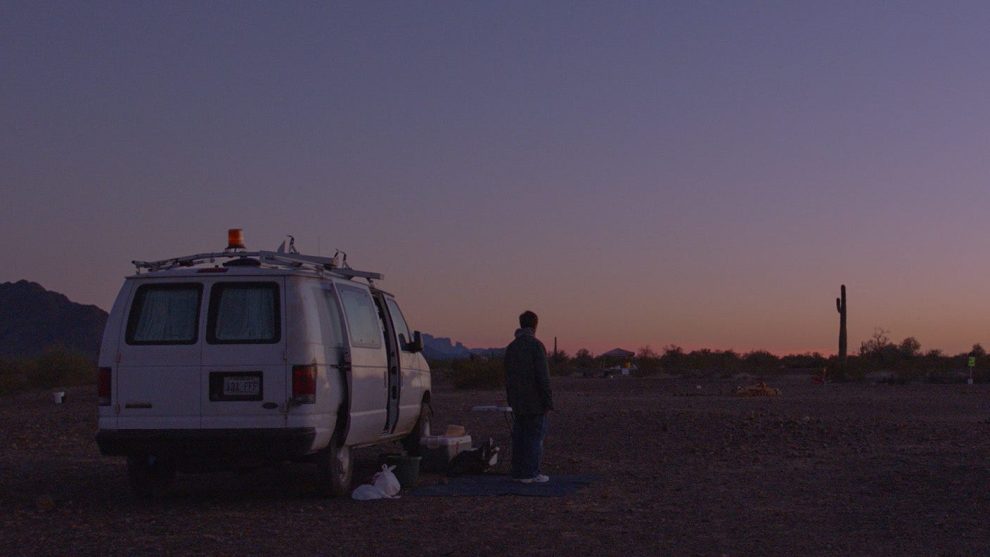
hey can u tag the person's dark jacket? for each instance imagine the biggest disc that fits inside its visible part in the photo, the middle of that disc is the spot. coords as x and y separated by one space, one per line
527 375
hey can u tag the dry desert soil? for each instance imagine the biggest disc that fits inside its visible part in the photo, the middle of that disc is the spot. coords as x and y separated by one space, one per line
684 467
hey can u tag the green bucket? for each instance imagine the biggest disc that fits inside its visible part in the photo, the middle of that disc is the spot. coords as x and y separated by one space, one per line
406 469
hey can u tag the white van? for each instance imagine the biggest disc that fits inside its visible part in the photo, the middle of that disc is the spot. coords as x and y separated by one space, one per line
237 358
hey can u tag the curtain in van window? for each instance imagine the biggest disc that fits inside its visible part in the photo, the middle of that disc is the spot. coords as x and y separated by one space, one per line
168 314
246 313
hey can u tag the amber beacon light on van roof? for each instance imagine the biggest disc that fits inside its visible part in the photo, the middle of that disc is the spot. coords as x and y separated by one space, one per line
236 255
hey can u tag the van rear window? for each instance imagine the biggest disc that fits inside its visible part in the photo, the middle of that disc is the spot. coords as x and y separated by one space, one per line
244 313
165 314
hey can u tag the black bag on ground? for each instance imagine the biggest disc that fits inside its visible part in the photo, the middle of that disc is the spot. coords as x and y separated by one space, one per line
474 461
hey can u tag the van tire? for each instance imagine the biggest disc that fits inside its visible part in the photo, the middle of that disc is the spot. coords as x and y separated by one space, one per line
411 443
149 475
334 469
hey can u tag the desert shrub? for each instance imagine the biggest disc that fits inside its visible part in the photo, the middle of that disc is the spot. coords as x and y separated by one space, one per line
856 368
879 352
725 362
564 368
647 361
477 373
12 376
760 361
981 375
60 367
909 348
673 359
56 367
813 360
560 363
583 359
834 370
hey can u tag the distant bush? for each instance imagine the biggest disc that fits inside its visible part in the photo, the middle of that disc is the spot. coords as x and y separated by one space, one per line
559 363
56 367
647 361
855 369
813 360
477 373
675 360
12 376
760 360
583 359
878 356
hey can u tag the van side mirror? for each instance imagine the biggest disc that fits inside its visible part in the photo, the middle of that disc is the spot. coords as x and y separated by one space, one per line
417 342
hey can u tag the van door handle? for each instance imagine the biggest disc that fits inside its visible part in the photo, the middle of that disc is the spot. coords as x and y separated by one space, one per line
345 362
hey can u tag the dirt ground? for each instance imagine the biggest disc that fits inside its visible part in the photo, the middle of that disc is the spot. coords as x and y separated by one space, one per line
686 469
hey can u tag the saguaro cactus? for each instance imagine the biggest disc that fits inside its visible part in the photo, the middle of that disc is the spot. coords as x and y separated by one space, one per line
840 305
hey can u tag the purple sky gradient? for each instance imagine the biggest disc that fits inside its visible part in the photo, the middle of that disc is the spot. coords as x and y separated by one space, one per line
698 173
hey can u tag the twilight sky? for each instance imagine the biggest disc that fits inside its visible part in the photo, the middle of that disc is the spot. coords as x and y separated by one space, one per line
638 173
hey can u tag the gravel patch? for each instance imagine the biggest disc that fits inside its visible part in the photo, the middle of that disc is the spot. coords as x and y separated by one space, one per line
685 468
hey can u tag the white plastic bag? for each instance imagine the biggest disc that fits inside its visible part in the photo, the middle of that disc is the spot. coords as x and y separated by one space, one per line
367 492
384 485
386 481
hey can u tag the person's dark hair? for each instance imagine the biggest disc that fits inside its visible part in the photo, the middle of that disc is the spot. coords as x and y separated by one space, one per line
528 319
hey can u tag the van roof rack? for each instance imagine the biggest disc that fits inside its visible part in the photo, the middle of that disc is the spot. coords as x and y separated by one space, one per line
288 260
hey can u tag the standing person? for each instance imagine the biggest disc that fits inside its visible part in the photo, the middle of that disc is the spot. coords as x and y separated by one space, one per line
527 385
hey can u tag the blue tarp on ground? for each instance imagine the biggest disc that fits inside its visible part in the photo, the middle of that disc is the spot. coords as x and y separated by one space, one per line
492 484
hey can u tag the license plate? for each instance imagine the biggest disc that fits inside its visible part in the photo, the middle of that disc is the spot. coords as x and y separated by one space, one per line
238 386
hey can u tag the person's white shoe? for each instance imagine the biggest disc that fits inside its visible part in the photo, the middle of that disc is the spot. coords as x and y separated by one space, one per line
538 479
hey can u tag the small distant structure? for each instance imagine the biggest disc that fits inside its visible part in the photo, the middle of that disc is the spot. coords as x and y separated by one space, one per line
619 354
624 359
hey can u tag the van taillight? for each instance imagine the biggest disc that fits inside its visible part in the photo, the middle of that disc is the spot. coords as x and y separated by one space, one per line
103 386
304 384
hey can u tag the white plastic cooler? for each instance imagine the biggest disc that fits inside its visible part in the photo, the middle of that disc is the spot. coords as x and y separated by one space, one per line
439 449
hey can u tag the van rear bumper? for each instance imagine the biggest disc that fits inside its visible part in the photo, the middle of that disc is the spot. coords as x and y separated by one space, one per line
266 444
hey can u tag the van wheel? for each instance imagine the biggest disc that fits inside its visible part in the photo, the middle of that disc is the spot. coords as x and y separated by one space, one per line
334 468
411 443
149 475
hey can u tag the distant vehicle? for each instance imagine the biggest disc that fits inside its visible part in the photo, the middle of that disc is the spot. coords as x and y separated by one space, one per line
236 358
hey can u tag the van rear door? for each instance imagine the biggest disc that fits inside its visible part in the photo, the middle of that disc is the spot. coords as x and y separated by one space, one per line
157 371
243 376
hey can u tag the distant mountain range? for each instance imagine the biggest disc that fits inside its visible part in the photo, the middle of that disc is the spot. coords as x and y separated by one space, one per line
33 319
443 348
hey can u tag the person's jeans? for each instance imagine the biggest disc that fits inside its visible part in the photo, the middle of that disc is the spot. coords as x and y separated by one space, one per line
528 432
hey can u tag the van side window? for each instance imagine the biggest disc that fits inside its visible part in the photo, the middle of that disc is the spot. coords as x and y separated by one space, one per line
362 317
244 313
165 314
332 318
399 322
